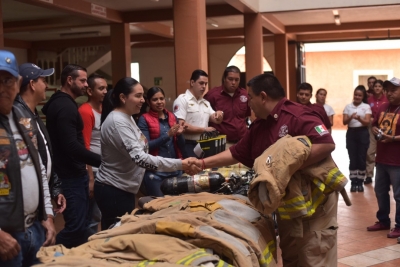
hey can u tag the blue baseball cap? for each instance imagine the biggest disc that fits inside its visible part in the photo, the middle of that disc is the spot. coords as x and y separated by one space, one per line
8 63
30 71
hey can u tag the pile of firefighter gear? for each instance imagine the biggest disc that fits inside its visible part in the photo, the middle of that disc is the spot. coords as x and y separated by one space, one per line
209 230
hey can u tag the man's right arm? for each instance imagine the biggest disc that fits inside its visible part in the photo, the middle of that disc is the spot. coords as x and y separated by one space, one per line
67 133
9 247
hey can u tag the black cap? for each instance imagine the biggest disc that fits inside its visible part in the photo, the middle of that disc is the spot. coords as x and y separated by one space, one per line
30 71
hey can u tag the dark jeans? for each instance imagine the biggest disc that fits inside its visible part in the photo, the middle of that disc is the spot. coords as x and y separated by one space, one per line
152 182
113 203
76 229
385 176
94 213
30 241
357 143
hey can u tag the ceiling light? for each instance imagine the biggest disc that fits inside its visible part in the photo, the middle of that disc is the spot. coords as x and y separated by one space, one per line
212 23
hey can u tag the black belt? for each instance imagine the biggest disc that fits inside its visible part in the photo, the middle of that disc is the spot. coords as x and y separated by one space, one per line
358 128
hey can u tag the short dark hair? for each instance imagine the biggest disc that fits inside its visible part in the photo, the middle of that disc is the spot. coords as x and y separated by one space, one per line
91 79
267 83
229 69
378 81
154 90
197 73
371 77
70 70
24 88
364 91
305 86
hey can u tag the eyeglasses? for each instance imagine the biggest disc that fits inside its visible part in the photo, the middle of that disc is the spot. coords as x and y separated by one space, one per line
8 81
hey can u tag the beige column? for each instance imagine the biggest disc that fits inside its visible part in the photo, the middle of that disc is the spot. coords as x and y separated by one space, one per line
190 35
120 51
292 70
281 61
1 28
253 41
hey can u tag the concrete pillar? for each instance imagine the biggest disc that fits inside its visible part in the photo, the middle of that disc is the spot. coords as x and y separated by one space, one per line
292 68
253 41
190 36
1 28
281 61
120 51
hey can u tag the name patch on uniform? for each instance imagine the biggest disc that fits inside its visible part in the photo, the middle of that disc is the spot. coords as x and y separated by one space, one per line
243 98
321 129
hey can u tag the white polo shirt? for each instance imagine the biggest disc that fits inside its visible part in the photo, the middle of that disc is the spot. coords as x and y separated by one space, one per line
361 110
193 111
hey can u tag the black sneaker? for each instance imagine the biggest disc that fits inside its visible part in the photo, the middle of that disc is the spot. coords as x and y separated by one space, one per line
360 187
368 180
353 187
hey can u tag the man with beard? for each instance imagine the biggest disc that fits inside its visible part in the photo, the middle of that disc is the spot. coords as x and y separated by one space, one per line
91 116
232 100
387 120
65 125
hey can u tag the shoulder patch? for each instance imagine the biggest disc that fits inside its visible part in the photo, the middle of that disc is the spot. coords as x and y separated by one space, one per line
321 129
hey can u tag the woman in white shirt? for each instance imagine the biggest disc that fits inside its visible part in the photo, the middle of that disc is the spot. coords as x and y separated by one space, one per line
320 98
357 116
124 153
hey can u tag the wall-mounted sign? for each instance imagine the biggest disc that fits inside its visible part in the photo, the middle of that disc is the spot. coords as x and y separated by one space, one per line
158 81
100 11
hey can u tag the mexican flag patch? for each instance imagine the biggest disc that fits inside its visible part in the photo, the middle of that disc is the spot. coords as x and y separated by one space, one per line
321 129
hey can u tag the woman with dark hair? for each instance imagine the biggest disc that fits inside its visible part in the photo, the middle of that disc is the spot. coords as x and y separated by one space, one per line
357 115
124 155
320 98
161 128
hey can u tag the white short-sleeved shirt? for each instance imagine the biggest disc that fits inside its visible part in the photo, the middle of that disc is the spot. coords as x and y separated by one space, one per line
329 110
361 110
193 111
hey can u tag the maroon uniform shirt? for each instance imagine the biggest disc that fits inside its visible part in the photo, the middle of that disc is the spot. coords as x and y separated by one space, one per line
321 111
375 103
235 109
287 118
388 120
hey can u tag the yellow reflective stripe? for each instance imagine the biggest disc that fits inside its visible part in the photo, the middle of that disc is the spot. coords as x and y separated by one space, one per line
334 178
146 263
221 263
193 256
268 254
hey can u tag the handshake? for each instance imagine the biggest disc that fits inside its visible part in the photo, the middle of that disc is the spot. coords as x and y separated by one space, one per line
192 165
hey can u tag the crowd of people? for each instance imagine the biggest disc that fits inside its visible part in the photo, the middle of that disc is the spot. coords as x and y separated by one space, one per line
92 160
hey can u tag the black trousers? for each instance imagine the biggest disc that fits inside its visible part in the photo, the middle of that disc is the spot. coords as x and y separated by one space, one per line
357 143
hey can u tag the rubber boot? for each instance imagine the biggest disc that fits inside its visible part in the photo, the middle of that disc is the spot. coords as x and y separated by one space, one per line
354 184
360 186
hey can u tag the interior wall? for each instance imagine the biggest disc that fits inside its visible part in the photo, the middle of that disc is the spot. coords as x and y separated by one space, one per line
20 54
334 72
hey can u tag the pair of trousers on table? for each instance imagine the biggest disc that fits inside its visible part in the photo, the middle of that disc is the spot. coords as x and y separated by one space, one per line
305 201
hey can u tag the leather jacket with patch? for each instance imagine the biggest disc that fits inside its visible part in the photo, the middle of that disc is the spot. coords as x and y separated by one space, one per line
54 181
11 199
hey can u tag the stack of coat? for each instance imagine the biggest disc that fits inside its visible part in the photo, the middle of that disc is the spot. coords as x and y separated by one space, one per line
189 230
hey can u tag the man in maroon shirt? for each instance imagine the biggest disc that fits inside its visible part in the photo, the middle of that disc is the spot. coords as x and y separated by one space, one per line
304 93
376 100
232 100
387 158
277 117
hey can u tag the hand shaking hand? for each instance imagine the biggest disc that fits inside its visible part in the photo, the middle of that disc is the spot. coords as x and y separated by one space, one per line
192 166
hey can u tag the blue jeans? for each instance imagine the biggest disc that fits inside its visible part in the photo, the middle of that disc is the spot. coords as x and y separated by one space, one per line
30 242
385 176
113 202
76 229
152 182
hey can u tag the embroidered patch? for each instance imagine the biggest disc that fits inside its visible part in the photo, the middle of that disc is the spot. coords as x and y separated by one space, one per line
321 129
26 122
5 185
176 108
243 98
283 131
